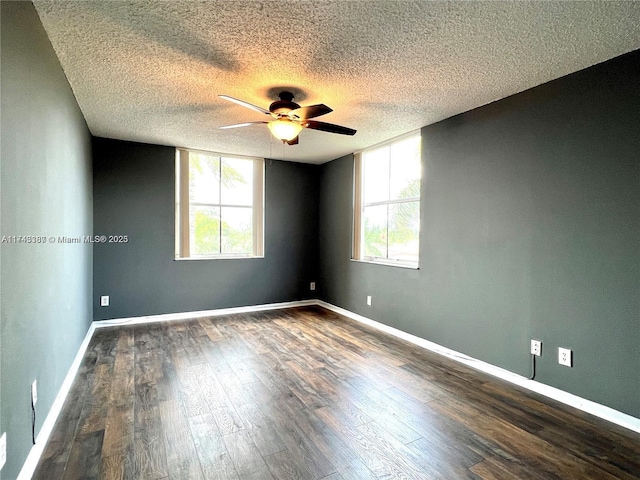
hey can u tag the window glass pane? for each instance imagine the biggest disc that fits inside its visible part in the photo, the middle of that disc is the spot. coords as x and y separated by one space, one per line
237 181
405 169
390 178
375 231
375 165
204 173
215 205
237 230
204 236
404 231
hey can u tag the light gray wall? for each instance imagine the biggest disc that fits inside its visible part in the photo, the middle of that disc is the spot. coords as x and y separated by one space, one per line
530 229
134 195
46 190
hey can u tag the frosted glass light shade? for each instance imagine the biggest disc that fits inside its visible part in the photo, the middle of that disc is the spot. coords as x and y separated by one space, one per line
284 129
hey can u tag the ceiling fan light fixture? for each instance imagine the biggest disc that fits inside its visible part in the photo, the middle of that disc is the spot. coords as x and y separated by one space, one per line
290 118
284 129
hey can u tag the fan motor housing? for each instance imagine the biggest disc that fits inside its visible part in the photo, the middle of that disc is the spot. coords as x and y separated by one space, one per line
284 105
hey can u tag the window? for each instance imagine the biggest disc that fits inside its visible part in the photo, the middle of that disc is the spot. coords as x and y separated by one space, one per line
387 203
219 205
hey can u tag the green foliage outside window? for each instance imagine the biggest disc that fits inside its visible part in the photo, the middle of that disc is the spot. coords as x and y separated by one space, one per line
389 205
219 229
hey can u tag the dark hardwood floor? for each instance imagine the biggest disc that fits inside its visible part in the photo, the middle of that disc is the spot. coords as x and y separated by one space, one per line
305 394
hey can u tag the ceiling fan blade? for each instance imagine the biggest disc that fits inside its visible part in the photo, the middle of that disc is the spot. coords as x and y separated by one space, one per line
246 104
311 111
329 127
237 125
292 142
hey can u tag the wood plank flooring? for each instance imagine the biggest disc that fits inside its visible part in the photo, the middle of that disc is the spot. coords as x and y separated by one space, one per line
306 394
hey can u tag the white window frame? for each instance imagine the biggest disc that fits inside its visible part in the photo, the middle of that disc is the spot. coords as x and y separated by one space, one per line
182 230
359 205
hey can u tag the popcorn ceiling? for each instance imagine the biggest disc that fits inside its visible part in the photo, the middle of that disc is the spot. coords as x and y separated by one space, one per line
151 71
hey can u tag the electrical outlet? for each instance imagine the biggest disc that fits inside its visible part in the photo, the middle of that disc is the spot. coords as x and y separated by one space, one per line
536 347
312 286
369 300
565 357
104 301
34 392
3 450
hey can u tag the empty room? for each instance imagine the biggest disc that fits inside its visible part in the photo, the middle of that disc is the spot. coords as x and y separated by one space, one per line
319 240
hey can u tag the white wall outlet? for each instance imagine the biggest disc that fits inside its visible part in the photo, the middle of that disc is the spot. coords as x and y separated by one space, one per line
3 450
104 301
536 347
34 392
312 286
565 357
369 300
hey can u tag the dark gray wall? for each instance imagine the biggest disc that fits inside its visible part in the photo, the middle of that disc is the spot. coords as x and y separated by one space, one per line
46 190
530 229
134 195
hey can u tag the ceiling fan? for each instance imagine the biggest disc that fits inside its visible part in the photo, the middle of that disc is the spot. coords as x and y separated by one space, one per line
290 118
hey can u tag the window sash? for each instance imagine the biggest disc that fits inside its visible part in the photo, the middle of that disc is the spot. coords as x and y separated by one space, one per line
183 208
359 206
392 202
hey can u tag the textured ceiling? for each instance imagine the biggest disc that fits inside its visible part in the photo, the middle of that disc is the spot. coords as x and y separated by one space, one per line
151 71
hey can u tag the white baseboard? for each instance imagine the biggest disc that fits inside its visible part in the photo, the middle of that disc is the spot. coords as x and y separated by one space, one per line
596 409
30 464
602 411
165 317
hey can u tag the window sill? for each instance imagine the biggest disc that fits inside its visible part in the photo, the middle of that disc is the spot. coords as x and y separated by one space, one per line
220 257
388 264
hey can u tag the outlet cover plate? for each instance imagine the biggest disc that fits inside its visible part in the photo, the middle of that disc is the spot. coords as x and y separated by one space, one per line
312 286
565 357
104 301
34 392
3 450
369 300
536 347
